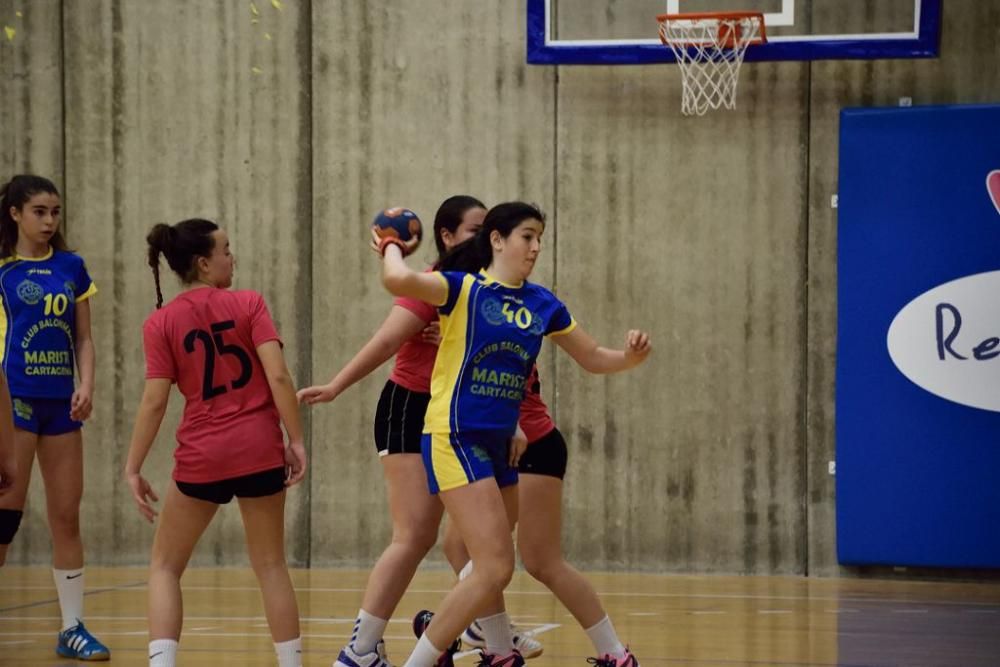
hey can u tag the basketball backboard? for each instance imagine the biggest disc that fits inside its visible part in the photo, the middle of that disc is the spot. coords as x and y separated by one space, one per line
624 32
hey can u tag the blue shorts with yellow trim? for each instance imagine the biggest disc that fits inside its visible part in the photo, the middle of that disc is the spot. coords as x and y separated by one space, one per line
456 459
44 416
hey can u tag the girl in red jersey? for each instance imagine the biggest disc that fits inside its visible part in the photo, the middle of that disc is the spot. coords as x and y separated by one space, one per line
221 348
399 422
45 293
541 470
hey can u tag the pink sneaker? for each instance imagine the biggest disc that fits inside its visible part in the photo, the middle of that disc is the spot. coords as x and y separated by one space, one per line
611 661
512 659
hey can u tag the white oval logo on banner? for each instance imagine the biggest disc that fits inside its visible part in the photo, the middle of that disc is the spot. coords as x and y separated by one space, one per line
947 341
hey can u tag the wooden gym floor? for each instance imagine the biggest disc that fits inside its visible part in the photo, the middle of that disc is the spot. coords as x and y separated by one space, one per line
689 621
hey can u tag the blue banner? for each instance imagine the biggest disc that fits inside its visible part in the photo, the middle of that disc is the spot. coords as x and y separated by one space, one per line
918 356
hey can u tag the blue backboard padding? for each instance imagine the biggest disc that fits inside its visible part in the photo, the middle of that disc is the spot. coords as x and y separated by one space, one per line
918 476
925 45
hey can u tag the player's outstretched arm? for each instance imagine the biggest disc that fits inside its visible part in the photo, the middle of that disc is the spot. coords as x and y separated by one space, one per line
155 396
401 280
596 359
398 327
283 391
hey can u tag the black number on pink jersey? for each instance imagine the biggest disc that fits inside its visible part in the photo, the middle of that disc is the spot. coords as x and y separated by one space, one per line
215 344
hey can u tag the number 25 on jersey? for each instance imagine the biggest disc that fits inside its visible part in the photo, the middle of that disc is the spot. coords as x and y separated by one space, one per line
214 344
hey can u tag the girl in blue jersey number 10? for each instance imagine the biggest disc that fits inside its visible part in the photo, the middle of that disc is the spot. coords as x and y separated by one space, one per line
492 325
45 320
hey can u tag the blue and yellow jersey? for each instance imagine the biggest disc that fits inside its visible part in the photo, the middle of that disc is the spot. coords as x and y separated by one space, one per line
38 321
491 334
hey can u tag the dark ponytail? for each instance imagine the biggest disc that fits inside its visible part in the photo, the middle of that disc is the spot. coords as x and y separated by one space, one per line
182 244
475 254
15 193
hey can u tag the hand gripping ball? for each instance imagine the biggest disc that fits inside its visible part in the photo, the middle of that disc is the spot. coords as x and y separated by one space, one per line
399 223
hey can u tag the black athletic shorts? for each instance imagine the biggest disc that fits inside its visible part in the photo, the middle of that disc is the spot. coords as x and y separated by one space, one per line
399 420
545 456
256 485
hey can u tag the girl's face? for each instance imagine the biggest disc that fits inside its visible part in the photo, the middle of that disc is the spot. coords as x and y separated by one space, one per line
38 220
218 267
472 222
520 249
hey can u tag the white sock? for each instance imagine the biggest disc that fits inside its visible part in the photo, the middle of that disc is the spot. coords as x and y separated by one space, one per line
496 632
289 653
368 630
425 654
162 652
605 639
69 588
465 571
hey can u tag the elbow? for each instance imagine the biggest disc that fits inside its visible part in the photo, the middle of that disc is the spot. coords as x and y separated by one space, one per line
156 405
282 379
591 363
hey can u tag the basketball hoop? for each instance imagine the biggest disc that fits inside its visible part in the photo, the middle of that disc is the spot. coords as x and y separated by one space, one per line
709 48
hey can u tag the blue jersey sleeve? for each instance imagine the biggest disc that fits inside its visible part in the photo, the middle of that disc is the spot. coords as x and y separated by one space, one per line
454 280
561 322
83 285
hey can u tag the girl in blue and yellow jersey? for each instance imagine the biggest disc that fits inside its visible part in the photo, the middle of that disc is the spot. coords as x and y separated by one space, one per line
492 325
45 333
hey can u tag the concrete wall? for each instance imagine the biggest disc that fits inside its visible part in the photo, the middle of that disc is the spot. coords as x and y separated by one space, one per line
293 125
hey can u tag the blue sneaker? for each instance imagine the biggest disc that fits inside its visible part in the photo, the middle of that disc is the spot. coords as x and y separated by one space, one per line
78 644
377 658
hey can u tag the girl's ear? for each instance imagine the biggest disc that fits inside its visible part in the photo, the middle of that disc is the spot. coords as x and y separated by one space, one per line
496 240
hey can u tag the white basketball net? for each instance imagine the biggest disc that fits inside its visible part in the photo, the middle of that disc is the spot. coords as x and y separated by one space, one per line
709 52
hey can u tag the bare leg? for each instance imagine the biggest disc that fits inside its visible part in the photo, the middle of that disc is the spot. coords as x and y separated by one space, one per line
539 543
481 518
182 522
510 502
264 523
416 515
60 458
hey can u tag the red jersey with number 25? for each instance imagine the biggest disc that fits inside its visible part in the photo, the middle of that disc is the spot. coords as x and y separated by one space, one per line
206 341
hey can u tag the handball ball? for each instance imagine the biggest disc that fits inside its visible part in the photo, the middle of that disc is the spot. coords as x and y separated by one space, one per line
400 223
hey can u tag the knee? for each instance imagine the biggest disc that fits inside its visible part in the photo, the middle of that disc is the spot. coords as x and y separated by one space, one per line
540 566
269 563
65 522
164 563
417 539
162 566
495 572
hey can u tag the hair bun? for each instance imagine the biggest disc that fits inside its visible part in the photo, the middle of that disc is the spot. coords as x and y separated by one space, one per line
161 236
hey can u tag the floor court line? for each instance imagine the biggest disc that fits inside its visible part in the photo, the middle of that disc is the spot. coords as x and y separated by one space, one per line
141 586
91 592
